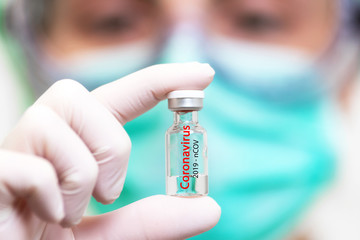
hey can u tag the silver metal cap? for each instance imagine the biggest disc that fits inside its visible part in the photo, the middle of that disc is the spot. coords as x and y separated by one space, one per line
185 100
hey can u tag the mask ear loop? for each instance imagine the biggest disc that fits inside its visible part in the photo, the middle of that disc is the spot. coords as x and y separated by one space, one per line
20 25
340 58
355 20
350 15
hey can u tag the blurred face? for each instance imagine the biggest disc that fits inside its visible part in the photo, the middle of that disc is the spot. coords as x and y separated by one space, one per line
76 26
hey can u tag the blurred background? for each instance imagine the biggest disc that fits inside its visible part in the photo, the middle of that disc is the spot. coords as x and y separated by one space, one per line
282 115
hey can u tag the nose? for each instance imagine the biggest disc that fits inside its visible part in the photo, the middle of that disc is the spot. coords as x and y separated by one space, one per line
186 35
184 10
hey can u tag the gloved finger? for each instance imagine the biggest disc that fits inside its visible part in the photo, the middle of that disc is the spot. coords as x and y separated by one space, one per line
99 130
157 217
136 93
43 133
33 179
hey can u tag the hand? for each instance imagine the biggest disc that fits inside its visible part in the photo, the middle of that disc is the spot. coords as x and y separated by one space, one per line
71 144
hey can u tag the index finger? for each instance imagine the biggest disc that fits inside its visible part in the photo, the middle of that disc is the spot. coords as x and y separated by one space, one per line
136 93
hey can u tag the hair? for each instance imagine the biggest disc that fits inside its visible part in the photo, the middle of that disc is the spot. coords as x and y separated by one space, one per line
39 14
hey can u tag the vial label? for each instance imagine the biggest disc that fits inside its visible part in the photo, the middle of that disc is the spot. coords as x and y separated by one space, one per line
187 154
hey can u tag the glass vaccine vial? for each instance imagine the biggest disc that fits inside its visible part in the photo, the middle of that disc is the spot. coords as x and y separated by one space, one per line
186 146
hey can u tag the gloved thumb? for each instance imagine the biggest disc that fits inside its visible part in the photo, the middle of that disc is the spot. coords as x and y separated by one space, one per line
156 217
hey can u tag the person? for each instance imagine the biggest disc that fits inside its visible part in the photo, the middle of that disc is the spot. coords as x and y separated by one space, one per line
270 112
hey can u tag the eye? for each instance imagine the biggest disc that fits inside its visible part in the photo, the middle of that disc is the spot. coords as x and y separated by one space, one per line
114 24
257 23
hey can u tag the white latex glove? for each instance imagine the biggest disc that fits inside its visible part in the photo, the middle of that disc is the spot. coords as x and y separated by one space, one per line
71 144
